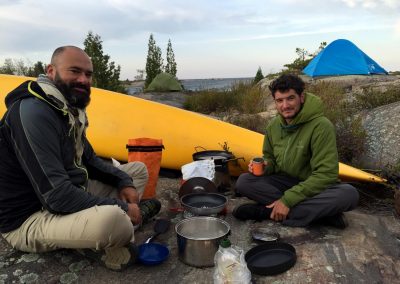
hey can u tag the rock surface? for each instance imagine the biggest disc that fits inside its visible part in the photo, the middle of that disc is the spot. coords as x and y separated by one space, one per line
175 99
382 126
366 252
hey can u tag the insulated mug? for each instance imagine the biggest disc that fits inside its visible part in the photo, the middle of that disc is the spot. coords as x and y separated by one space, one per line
258 166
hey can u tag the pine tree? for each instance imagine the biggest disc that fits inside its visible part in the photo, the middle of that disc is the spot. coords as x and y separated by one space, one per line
105 73
37 69
171 64
259 76
154 61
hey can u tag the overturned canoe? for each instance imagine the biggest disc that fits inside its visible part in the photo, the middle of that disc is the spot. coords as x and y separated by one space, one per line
114 118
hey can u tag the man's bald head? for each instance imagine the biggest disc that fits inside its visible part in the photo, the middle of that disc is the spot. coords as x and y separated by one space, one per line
60 50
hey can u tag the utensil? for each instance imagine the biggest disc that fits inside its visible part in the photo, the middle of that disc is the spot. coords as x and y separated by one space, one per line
155 253
265 234
204 204
270 258
160 226
198 239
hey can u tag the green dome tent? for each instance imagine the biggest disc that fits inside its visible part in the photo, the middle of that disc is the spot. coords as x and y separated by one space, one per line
164 82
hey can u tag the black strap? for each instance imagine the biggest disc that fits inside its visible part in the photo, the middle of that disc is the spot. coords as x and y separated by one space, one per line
145 148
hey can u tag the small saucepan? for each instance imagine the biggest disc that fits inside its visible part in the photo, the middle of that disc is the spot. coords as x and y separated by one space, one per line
204 203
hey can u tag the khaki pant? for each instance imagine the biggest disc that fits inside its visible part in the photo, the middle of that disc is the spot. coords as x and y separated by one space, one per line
98 227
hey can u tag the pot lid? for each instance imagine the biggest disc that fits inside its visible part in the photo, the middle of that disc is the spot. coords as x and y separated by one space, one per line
271 258
197 185
213 154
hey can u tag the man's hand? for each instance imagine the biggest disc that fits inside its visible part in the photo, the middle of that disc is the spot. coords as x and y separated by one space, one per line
279 210
134 213
129 195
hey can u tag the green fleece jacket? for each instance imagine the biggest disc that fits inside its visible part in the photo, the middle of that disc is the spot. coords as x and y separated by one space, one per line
305 149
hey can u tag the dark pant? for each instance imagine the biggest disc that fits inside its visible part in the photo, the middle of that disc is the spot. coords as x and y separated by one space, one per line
335 199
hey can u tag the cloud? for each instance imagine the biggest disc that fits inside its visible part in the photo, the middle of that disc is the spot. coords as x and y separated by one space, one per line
372 4
397 29
37 27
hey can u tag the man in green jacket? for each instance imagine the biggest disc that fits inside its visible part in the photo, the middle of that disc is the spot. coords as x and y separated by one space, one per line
300 181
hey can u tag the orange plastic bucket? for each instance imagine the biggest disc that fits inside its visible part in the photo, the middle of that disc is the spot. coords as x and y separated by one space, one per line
148 151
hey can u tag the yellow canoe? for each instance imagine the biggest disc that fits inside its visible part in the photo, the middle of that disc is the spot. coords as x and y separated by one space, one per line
114 118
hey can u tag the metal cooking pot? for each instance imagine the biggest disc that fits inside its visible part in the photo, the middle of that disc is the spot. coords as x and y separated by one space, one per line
204 203
221 158
198 239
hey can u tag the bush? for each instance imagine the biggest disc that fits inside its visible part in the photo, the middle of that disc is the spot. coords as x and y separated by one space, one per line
252 98
243 97
252 122
211 101
371 98
350 134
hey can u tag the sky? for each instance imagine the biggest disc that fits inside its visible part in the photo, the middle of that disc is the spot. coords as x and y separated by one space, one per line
210 38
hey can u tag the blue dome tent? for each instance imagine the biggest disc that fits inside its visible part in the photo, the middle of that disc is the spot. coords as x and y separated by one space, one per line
342 57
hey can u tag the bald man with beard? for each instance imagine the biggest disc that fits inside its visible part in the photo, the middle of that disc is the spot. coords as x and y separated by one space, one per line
54 191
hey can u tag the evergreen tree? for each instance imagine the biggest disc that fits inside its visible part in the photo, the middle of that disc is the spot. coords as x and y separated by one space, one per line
304 57
259 76
154 61
105 73
171 64
37 69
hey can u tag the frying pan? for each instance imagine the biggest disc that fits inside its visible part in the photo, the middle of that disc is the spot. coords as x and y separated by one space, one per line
204 203
270 258
155 253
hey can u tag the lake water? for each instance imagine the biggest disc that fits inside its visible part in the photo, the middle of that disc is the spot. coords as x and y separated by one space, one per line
219 84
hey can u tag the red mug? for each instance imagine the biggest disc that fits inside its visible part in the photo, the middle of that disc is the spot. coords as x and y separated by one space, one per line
258 166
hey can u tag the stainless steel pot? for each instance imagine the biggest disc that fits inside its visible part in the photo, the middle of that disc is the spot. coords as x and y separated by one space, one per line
198 239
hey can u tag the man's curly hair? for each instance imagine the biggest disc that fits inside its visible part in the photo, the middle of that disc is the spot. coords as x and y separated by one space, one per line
286 82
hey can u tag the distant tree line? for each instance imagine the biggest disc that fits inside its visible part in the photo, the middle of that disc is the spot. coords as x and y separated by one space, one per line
22 68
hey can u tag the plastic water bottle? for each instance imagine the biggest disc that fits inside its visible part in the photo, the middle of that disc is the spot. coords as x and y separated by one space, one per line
230 266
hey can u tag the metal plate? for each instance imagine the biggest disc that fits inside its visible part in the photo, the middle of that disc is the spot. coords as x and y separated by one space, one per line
265 234
197 185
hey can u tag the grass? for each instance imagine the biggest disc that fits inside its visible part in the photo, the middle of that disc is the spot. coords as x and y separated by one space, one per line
371 98
242 97
350 134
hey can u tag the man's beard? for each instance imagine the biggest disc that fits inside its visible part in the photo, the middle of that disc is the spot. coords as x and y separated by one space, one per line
74 98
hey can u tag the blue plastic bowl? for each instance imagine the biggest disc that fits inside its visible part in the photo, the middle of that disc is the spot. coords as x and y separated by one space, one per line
153 253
